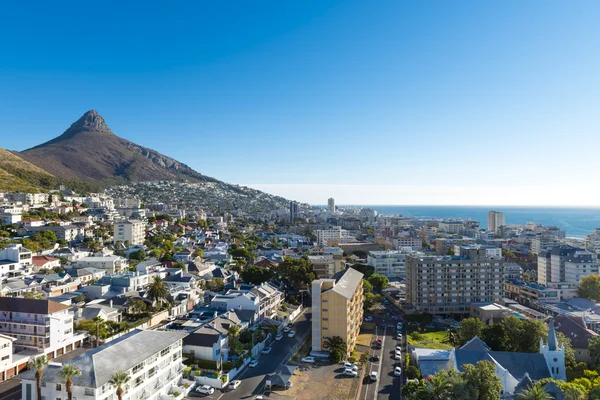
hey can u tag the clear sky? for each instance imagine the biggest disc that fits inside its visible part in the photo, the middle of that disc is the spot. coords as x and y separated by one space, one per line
372 102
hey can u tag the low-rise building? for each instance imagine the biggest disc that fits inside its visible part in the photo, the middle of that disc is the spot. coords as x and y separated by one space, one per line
152 359
391 263
112 264
133 231
15 260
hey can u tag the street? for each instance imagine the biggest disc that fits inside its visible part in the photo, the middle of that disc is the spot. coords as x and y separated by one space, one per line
253 378
387 386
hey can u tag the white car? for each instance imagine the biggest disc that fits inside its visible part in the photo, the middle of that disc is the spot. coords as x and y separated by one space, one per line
253 363
205 389
309 359
399 336
234 384
399 348
398 355
279 336
350 372
398 371
373 375
351 366
292 334
369 318
266 350
286 329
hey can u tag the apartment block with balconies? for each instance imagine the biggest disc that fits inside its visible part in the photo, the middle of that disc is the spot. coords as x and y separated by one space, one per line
152 359
337 308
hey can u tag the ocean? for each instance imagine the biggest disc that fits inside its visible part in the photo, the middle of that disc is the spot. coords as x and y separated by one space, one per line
577 222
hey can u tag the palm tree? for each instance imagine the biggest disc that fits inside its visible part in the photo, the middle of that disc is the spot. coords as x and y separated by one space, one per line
38 364
99 322
437 387
118 380
337 348
233 333
535 392
157 290
67 372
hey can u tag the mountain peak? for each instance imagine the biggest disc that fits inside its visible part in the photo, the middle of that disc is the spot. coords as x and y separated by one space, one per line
90 121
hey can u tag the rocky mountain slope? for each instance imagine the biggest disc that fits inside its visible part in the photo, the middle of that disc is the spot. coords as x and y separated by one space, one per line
18 174
91 152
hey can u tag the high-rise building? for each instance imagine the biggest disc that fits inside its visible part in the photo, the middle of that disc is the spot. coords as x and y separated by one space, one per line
337 308
293 211
565 264
449 284
331 205
495 221
133 231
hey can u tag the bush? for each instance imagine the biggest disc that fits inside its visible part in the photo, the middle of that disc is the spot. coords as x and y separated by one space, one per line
284 308
413 373
186 385
176 394
206 364
416 336
407 360
198 373
224 378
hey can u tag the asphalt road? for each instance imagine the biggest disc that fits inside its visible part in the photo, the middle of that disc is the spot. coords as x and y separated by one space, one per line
253 379
388 386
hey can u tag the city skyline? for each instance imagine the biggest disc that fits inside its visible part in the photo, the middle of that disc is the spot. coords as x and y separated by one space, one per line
434 103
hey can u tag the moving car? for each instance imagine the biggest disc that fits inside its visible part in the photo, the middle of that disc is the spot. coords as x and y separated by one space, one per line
350 372
234 384
398 371
266 350
351 366
369 318
279 336
373 375
309 359
253 363
292 333
205 389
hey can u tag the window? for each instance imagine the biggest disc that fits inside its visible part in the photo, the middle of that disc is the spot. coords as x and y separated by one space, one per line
324 300
324 310
5 358
58 387
89 392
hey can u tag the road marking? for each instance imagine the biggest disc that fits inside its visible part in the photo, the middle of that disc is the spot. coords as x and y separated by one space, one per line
380 364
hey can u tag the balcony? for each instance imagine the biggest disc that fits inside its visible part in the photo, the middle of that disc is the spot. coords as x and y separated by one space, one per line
19 321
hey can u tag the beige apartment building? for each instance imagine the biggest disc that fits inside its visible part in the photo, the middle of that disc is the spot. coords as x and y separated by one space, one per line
132 230
449 284
337 308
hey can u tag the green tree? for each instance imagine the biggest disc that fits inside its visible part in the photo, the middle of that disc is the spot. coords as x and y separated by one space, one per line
483 378
468 329
370 300
233 333
118 380
296 272
67 372
337 348
34 295
535 392
157 290
256 275
367 286
594 349
215 285
38 364
573 391
589 287
99 322
364 269
494 336
379 282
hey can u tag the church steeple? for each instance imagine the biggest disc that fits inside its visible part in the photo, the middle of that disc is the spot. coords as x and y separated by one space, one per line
554 355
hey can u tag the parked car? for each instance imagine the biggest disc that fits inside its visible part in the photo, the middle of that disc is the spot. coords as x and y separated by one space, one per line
279 336
292 334
399 336
368 318
266 350
351 366
399 348
382 326
373 375
253 363
379 340
286 329
205 389
234 384
309 359
375 358
398 371
398 355
350 372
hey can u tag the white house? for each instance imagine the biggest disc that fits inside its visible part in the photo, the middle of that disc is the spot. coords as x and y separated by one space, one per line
152 359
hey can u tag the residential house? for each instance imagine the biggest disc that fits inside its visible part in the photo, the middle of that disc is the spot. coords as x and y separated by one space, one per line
574 328
210 342
91 311
44 262
152 359
71 254
15 260
112 264
68 233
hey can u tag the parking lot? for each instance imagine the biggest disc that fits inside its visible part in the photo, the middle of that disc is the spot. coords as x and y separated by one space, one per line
323 381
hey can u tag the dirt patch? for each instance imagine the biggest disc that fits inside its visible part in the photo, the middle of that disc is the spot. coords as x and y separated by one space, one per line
324 382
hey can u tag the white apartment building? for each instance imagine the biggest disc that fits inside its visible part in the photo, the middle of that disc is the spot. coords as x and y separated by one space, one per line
40 325
449 284
111 263
133 231
414 242
15 260
543 241
490 251
152 359
453 227
336 234
565 264
391 263
495 221
592 241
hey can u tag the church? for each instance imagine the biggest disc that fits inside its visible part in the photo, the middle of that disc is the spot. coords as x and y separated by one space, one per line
515 370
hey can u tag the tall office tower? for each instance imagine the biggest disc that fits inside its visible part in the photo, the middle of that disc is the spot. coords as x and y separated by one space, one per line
293 211
495 221
331 205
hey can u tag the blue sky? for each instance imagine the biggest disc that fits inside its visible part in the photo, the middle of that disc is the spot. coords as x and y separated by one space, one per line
383 102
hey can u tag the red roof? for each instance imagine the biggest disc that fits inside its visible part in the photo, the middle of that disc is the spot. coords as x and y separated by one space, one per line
40 261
